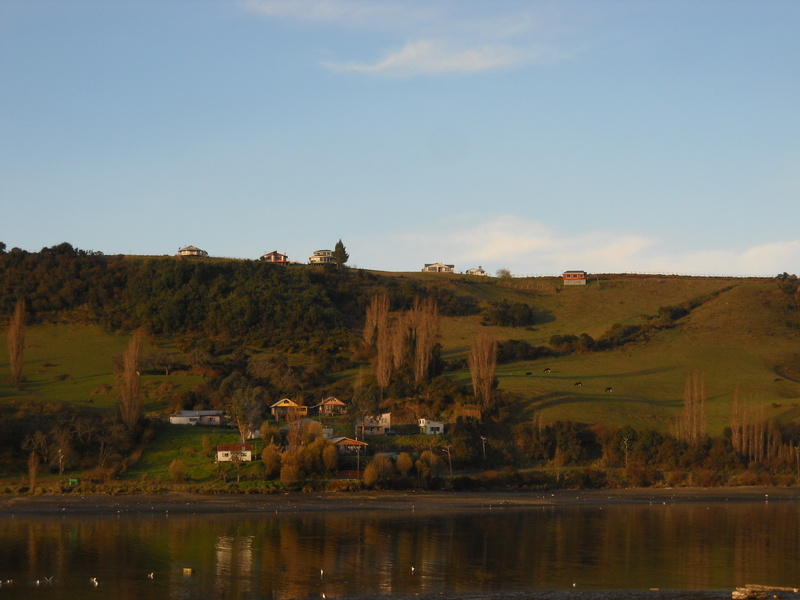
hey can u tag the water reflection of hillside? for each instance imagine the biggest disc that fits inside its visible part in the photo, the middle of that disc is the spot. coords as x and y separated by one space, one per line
406 553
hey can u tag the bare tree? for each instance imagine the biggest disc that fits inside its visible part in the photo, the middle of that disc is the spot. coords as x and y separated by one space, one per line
377 333
130 406
482 361
33 469
16 342
691 425
425 320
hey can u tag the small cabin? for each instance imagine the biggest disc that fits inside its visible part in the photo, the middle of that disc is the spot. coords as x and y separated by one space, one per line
208 418
234 453
287 410
330 406
574 277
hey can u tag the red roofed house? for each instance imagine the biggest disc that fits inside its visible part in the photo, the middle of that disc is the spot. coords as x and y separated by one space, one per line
234 453
276 258
574 277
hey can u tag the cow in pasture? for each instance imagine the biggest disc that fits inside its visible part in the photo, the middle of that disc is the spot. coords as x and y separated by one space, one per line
547 370
578 384
609 389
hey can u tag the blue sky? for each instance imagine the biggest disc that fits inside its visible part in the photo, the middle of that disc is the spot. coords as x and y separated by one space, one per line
610 136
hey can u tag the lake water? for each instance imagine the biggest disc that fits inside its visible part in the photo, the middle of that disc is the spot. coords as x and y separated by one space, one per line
618 551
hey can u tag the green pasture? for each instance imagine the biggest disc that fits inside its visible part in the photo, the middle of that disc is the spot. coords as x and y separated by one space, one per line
185 443
75 363
735 342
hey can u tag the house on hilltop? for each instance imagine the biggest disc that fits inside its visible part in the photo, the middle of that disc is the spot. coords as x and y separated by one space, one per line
322 257
478 271
438 268
276 258
192 251
574 277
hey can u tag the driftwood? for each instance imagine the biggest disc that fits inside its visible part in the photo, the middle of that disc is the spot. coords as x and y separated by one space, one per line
752 591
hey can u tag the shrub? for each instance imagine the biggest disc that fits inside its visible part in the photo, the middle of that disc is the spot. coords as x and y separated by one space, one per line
177 470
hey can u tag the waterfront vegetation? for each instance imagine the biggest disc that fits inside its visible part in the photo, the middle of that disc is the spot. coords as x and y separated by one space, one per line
632 380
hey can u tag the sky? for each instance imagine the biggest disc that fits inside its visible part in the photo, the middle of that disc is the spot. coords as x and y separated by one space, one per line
636 136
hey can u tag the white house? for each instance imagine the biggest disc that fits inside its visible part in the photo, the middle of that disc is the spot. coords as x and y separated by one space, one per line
478 271
192 251
209 418
234 453
438 268
375 425
428 427
322 257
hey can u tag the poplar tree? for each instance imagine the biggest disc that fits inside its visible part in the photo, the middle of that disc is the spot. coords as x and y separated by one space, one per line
130 406
482 361
16 342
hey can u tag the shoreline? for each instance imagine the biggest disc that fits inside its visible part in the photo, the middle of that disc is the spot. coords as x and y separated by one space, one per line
298 502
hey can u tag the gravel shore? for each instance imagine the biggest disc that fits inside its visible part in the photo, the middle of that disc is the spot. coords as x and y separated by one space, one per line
183 503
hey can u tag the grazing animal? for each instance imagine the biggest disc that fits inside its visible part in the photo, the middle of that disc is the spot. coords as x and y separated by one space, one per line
528 373
609 389
547 370
578 384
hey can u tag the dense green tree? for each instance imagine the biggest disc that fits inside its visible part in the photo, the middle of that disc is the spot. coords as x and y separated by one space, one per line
340 255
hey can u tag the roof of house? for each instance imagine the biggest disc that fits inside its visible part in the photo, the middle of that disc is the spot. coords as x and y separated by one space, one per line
234 448
331 401
346 441
199 413
285 402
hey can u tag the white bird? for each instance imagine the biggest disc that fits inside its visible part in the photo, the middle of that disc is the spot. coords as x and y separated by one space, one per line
413 569
94 581
321 573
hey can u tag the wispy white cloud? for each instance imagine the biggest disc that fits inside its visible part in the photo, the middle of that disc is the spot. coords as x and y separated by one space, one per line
441 37
529 247
348 13
429 57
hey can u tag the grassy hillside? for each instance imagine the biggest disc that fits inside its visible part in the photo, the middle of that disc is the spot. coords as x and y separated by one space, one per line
740 336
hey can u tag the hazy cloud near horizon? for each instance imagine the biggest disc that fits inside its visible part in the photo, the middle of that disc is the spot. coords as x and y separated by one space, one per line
528 247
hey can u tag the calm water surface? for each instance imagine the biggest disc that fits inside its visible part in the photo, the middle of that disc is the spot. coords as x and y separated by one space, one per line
685 550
